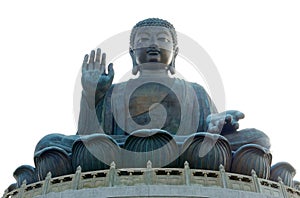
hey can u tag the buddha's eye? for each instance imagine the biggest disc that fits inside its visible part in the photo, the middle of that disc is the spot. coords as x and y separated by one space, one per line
143 40
165 40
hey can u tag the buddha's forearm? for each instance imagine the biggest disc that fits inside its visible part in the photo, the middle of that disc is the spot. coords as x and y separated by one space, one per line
88 121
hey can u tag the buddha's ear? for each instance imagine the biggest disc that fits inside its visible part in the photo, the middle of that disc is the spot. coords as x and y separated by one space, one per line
135 68
133 57
172 65
131 52
176 50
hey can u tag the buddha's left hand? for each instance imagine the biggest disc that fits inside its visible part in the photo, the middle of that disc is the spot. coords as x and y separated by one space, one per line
224 122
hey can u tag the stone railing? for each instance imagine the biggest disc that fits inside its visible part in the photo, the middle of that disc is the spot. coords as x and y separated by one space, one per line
153 176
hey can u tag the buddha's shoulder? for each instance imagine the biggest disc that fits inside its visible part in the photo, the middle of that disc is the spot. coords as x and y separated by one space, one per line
177 82
194 85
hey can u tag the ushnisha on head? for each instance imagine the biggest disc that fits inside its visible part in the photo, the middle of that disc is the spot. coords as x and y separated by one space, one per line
153 40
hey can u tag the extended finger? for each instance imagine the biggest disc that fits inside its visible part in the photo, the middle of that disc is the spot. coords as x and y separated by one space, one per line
84 64
103 63
96 64
103 60
228 118
92 57
239 115
236 114
98 54
236 125
111 71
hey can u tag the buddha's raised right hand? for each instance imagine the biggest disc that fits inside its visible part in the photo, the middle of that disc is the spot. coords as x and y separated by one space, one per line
95 81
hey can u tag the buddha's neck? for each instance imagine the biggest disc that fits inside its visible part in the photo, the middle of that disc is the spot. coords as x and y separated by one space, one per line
157 70
158 73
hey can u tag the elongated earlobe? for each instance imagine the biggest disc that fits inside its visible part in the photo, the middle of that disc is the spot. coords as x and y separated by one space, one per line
172 64
135 68
172 69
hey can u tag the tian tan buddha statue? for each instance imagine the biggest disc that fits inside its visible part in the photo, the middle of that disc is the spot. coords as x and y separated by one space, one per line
152 117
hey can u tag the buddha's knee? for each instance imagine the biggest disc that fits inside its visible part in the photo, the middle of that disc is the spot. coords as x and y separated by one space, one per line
252 157
53 154
206 151
248 136
95 152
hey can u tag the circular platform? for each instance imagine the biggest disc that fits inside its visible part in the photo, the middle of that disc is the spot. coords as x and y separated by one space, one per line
154 182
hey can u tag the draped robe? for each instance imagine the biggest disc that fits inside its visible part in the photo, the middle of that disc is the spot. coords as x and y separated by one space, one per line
171 104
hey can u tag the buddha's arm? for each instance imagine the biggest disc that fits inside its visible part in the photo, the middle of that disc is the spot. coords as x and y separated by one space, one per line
212 121
206 106
87 122
95 83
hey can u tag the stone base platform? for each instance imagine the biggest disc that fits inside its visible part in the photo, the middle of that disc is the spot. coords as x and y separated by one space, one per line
155 191
154 182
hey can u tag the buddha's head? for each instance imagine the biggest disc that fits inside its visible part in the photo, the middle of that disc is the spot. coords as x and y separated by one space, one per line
153 40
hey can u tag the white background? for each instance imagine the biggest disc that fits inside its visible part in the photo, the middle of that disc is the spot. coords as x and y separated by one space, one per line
254 44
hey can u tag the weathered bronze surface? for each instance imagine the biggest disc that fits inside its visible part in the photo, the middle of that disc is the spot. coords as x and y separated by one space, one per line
252 157
283 171
152 117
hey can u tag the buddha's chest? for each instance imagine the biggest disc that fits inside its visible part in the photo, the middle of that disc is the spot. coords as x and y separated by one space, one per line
149 96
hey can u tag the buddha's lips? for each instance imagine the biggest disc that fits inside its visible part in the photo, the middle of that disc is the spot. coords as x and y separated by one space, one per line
153 52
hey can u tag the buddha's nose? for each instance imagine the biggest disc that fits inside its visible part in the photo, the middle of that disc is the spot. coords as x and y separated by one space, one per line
153 46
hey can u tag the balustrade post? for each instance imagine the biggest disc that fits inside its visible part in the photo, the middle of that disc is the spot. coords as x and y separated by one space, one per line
224 177
22 189
256 182
46 184
76 179
112 175
187 173
149 173
283 188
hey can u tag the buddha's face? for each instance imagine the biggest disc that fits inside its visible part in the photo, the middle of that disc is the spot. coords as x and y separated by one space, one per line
153 44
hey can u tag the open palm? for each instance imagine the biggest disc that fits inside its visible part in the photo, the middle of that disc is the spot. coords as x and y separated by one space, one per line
95 81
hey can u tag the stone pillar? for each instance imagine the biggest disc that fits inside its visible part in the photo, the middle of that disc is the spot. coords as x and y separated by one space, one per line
76 178
149 173
187 173
112 175
256 181
282 187
22 189
224 177
46 184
